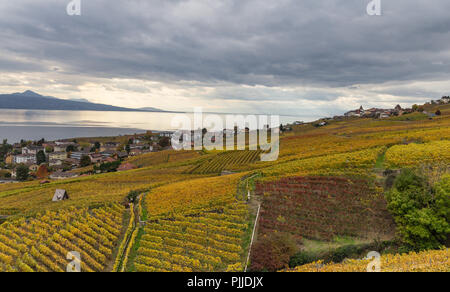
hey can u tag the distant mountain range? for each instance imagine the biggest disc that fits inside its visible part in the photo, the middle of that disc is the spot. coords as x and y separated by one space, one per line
33 101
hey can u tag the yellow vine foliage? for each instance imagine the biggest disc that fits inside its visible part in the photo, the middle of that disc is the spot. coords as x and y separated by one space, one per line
41 243
427 261
201 240
415 154
191 194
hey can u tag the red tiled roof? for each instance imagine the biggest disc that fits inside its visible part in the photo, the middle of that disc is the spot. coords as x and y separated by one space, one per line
126 166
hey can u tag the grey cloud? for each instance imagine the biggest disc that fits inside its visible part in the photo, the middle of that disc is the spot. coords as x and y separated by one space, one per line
270 93
243 42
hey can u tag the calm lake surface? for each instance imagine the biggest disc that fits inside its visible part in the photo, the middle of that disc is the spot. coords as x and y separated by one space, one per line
52 125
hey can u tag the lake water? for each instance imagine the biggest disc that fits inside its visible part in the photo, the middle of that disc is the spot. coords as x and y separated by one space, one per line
52 125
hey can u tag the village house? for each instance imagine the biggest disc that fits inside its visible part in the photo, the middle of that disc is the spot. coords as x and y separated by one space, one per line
114 154
32 149
78 154
121 155
110 160
373 113
126 166
25 159
59 148
55 162
356 113
166 134
63 175
57 156
96 157
72 162
135 152
108 153
62 146
9 159
109 146
137 146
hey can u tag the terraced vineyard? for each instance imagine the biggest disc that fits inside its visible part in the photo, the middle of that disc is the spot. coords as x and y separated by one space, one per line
195 225
42 243
210 240
227 160
323 208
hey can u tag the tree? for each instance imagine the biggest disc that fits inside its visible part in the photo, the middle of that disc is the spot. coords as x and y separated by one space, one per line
40 157
40 142
421 211
127 148
164 142
4 149
438 112
97 145
22 172
415 107
71 148
85 161
108 166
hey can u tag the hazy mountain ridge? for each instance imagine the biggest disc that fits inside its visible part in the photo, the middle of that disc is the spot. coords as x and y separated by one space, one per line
34 101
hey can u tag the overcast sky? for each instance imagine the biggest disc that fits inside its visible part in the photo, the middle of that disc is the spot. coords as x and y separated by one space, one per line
285 56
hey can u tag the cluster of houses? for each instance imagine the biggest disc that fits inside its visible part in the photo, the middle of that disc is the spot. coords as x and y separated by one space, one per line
386 113
63 156
377 113
443 100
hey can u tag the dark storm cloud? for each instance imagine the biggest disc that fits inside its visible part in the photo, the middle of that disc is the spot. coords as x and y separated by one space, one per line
246 42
